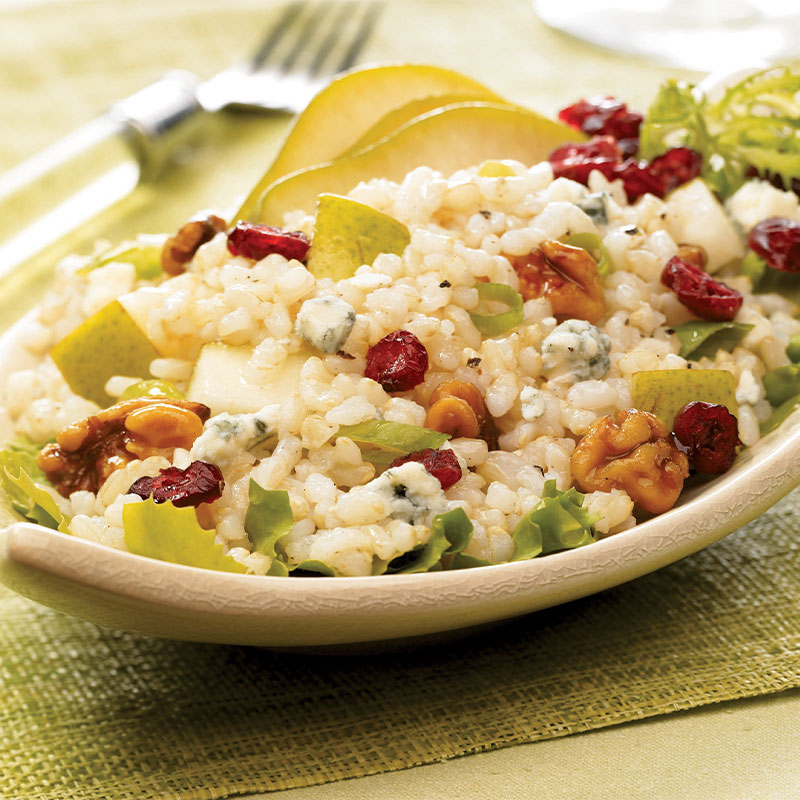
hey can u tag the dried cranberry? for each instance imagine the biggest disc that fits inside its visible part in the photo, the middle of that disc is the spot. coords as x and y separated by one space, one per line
678 165
661 175
605 116
709 434
442 464
639 179
699 292
258 241
397 362
200 482
777 241
658 177
576 161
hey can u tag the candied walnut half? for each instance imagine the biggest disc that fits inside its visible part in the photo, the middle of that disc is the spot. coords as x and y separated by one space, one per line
567 276
635 453
87 452
179 249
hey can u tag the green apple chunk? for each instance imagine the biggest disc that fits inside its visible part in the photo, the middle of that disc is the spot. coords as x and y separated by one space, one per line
348 234
219 380
665 392
108 343
446 139
345 111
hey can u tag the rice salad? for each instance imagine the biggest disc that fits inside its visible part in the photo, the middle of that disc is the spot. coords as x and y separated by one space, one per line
337 504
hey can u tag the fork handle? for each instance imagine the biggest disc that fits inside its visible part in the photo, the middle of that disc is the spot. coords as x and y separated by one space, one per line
49 195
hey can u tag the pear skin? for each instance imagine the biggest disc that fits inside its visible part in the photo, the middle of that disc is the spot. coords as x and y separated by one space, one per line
348 107
665 392
447 139
398 117
107 343
348 234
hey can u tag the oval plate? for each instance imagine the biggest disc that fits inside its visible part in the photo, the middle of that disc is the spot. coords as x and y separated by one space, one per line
120 590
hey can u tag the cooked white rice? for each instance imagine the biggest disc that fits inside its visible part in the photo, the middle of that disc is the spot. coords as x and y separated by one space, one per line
543 399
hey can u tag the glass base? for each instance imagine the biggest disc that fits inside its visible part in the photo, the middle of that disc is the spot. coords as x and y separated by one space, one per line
694 34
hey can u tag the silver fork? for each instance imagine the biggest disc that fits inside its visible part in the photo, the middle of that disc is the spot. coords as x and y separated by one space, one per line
100 163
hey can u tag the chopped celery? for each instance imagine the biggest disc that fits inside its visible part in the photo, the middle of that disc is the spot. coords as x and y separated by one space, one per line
496 324
701 338
594 246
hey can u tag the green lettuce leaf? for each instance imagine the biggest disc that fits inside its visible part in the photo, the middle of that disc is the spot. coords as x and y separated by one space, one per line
381 441
144 254
162 531
793 349
558 522
755 124
779 414
18 475
450 534
700 338
782 383
314 566
268 518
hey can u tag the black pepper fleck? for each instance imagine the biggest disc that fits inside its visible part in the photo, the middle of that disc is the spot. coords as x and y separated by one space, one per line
445 285
473 362
631 230
670 331
484 213
342 354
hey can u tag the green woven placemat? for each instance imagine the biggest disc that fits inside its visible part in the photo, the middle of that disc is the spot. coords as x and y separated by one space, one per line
90 713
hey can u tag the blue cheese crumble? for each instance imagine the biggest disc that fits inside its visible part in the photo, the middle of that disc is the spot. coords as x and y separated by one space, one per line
533 403
576 351
408 493
226 435
325 323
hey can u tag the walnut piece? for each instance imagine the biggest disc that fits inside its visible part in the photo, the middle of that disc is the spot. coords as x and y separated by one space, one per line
635 453
179 249
567 276
88 451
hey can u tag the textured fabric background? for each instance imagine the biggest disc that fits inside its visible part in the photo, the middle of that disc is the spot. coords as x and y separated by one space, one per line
92 713
89 713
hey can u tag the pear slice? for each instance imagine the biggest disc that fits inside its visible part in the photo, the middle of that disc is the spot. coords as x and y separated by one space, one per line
348 107
219 380
398 117
448 139
106 344
348 234
665 392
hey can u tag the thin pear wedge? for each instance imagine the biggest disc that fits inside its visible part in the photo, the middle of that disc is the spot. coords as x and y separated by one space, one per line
348 107
447 139
398 117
